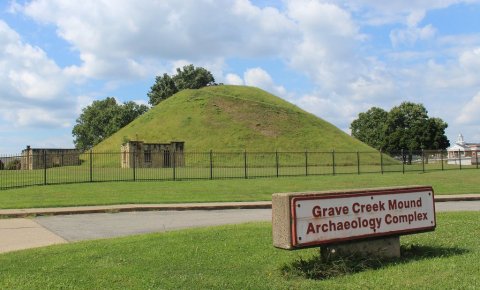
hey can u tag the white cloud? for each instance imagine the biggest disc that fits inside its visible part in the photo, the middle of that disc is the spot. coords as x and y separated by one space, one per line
411 35
470 60
34 88
26 70
233 79
380 12
469 113
336 110
125 39
330 38
257 77
35 117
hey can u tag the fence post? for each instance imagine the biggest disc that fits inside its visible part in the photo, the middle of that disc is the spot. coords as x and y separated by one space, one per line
134 163
441 158
174 164
403 161
358 163
333 161
245 162
381 161
460 159
306 162
91 165
45 167
276 160
476 158
423 161
211 164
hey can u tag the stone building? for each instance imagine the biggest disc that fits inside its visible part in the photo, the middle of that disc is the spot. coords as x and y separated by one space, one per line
39 158
156 155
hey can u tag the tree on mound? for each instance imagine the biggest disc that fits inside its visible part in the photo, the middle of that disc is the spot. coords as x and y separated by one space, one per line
189 77
404 127
102 119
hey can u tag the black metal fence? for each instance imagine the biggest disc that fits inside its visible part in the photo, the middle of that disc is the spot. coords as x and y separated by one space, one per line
59 168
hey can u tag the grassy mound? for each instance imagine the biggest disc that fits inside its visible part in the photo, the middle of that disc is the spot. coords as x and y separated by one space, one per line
233 118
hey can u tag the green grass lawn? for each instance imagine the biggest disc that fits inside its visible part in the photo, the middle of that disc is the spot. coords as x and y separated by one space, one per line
100 193
242 257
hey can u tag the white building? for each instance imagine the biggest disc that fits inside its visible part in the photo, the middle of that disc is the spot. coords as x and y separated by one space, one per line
464 153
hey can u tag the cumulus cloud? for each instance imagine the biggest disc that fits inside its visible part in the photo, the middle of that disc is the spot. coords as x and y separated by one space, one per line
329 38
469 113
125 39
470 59
257 77
411 35
33 86
233 79
338 111
379 12
26 70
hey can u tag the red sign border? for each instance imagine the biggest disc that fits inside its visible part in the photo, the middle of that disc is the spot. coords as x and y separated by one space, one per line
349 194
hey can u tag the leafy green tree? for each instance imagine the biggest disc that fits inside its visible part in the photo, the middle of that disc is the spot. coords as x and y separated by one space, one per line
404 127
435 134
103 118
189 77
369 129
2 166
163 88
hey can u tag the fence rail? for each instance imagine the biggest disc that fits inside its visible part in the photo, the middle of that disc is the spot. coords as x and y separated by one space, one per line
45 168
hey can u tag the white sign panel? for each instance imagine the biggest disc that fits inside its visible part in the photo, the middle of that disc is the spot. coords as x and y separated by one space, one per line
332 218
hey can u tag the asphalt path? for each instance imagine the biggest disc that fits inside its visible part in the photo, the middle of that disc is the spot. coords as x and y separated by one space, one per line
107 225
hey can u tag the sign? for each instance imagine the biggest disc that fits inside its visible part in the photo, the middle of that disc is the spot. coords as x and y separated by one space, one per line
326 218
331 218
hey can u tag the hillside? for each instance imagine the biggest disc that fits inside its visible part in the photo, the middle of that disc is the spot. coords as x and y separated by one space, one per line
233 118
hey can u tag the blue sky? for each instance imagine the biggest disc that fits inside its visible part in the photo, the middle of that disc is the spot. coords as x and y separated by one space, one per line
334 58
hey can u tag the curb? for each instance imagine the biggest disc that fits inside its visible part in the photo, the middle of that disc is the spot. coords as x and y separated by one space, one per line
22 213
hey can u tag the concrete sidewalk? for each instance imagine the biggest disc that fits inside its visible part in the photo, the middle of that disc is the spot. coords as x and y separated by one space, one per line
19 234
20 213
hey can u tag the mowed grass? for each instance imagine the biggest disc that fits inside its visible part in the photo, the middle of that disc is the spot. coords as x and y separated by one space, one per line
258 189
242 257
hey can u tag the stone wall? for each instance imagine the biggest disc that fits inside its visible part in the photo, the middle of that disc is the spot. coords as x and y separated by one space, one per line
37 158
139 154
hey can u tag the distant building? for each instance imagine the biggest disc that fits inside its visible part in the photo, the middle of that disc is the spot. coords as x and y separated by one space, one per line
38 158
156 155
463 153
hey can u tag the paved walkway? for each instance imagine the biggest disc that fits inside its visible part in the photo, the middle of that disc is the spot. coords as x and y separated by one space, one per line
66 225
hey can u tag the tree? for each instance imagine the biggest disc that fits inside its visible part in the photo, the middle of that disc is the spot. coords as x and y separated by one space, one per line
404 127
192 78
189 77
103 118
369 127
163 88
